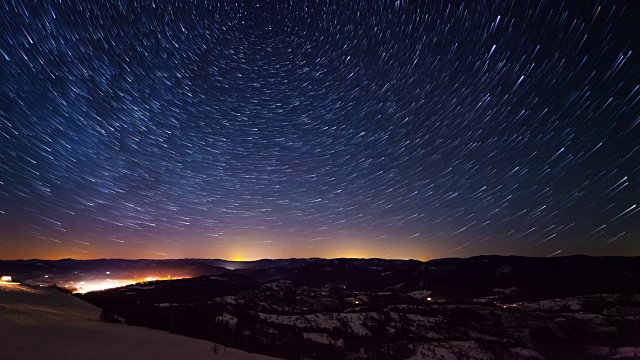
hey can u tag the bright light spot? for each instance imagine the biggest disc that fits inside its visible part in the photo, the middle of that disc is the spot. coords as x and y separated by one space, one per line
6 278
108 272
428 299
102 284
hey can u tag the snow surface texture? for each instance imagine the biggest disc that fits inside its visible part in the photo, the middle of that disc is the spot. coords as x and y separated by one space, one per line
44 323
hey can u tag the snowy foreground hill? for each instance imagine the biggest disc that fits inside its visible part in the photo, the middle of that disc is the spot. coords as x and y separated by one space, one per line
44 323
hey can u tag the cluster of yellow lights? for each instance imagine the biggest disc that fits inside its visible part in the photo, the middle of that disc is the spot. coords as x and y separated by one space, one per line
509 305
87 286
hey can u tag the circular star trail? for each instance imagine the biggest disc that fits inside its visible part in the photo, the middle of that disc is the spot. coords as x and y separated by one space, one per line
319 128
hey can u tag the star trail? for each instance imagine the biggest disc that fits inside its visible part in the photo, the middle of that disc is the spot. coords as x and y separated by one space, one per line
253 129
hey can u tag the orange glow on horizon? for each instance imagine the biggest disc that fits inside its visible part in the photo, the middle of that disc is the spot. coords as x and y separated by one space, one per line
244 247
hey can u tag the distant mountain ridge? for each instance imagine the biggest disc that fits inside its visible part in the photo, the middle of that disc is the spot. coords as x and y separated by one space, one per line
455 279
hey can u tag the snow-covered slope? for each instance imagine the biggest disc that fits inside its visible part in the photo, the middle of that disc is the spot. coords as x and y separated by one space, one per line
44 323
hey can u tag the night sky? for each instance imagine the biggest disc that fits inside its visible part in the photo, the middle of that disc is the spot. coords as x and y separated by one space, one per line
246 130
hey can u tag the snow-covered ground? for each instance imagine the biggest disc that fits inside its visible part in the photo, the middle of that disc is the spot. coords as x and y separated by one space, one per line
626 352
232 320
451 350
44 323
323 321
420 294
454 350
